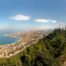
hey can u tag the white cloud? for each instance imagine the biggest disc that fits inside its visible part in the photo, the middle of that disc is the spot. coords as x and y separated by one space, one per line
20 17
45 20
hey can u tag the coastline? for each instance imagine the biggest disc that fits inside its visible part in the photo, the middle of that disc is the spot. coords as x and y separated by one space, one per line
24 41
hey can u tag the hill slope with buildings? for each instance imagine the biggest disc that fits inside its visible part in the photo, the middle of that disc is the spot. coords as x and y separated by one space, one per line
49 51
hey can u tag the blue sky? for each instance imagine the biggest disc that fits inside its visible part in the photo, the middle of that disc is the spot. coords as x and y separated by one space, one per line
32 14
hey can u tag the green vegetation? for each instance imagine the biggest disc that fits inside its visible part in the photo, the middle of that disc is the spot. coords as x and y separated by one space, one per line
49 51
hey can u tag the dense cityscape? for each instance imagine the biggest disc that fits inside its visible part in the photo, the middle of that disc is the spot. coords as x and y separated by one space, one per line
25 40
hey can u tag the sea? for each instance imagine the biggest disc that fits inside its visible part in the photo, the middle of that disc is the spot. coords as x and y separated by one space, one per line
6 39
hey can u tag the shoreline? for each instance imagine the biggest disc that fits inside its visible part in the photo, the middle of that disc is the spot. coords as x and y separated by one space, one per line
9 50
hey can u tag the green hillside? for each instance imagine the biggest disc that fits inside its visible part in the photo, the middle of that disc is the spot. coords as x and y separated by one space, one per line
49 51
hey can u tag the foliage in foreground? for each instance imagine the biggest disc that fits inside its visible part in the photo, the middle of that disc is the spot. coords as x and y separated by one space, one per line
47 52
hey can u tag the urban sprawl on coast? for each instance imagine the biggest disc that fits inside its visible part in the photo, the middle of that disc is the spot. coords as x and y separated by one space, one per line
25 40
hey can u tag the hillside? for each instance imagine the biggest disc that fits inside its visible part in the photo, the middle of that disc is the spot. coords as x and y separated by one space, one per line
49 51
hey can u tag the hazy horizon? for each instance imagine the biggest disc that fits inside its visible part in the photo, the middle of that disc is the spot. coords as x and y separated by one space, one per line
26 15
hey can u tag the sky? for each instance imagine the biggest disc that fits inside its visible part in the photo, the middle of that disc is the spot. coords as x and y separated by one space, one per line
23 15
